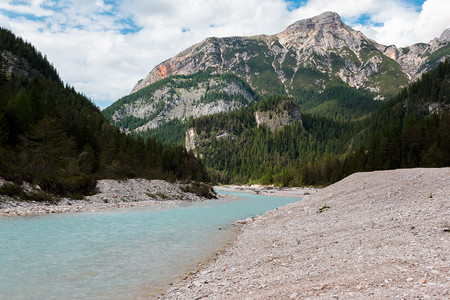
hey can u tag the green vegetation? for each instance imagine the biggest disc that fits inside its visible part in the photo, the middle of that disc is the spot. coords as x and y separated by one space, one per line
306 79
340 102
14 190
403 133
256 153
433 59
441 52
157 196
54 137
11 189
170 132
199 188
390 77
344 131
322 209
268 83
131 122
17 46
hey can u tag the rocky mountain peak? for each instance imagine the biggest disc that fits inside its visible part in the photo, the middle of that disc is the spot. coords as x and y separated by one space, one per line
445 36
308 54
322 32
325 20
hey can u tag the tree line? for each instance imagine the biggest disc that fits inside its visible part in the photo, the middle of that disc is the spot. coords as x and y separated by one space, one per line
55 137
411 130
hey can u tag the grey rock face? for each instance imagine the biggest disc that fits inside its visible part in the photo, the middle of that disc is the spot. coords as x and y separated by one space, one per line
282 115
191 139
16 65
323 43
181 103
307 55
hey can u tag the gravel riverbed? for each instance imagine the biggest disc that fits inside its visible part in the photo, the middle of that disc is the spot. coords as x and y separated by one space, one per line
111 194
372 235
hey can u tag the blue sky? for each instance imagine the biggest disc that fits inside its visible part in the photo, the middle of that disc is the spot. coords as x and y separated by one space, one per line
103 48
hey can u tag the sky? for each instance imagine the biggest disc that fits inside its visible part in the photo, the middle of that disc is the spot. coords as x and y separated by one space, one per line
103 47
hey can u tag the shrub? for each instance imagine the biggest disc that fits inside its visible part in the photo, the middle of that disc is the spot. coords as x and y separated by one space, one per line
200 189
69 186
323 208
41 196
11 189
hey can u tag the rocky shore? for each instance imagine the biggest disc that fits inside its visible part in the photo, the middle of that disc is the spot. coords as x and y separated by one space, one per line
372 235
269 190
111 194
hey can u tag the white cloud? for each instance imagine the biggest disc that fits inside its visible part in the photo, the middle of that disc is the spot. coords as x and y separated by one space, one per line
434 17
83 38
32 8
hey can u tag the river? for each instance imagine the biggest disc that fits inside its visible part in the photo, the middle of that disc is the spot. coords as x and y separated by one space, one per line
117 254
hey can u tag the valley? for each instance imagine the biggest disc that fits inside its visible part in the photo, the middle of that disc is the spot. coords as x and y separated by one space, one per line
121 202
339 83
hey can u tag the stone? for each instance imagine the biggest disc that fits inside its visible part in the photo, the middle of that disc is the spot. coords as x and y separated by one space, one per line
197 284
422 281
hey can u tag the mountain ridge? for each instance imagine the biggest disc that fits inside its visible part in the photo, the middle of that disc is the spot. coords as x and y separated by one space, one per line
304 61
410 130
313 36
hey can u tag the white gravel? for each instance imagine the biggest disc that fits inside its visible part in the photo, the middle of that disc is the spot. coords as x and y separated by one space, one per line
111 194
372 235
268 190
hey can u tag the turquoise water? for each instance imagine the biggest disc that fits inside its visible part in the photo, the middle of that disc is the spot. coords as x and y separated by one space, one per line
117 254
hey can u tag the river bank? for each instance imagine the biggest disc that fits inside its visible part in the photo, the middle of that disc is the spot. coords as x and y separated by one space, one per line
131 193
268 190
119 253
372 235
111 194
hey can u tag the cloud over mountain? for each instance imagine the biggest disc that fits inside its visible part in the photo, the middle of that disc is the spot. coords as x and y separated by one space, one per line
103 47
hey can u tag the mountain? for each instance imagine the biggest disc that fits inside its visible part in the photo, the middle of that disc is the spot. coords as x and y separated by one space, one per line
305 59
179 97
321 49
56 138
265 140
410 130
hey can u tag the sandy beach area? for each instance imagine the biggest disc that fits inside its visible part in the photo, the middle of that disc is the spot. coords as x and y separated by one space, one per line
375 235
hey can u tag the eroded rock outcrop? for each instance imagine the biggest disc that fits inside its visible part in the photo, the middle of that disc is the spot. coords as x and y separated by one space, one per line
286 113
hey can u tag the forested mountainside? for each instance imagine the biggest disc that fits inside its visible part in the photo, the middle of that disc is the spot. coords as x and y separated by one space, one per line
411 130
52 136
306 59
245 145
